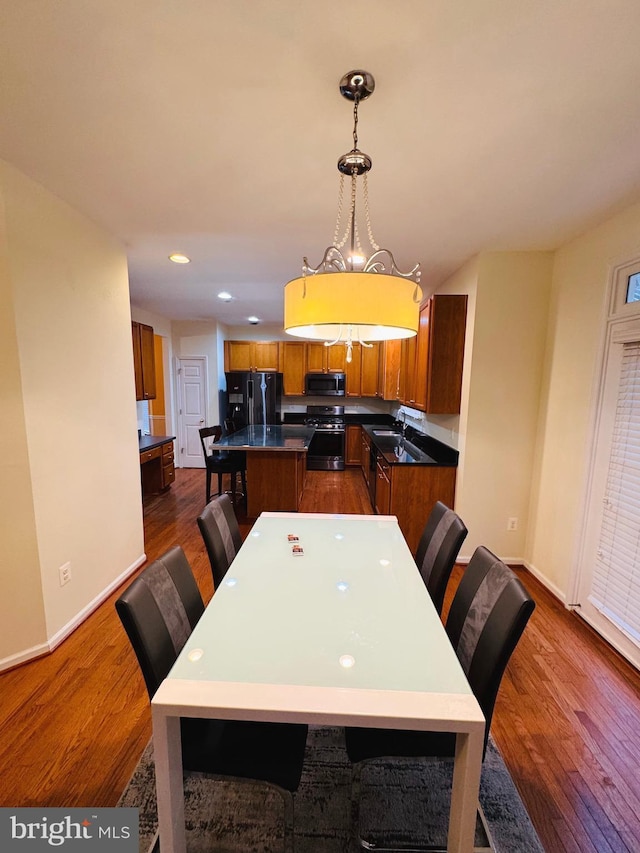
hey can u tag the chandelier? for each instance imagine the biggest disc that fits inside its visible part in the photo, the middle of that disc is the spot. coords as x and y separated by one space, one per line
352 296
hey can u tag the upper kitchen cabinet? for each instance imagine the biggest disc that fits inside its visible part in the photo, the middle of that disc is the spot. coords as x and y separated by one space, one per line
251 355
322 359
144 361
389 353
362 371
431 362
293 366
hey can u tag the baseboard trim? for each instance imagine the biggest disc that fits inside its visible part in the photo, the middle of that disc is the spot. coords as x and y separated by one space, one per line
53 642
518 562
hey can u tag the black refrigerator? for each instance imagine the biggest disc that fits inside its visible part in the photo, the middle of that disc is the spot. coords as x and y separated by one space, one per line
253 398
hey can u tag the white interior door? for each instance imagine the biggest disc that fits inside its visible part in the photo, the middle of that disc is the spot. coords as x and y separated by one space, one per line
192 410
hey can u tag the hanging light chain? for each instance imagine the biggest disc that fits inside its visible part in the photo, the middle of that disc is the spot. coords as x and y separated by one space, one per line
339 216
356 101
365 195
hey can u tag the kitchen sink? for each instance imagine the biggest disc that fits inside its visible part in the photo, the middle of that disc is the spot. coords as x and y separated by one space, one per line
389 433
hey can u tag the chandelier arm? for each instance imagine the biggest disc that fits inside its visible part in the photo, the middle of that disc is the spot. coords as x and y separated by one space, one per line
337 340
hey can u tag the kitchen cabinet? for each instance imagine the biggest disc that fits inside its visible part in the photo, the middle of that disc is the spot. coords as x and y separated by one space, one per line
365 457
414 489
144 364
431 362
353 372
353 445
322 359
157 463
369 370
383 487
389 353
293 366
251 356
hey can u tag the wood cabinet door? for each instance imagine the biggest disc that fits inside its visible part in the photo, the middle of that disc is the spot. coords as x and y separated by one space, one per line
408 371
265 356
352 371
293 365
147 348
137 359
365 457
238 356
421 369
383 489
369 370
144 361
353 445
336 358
448 320
316 357
389 369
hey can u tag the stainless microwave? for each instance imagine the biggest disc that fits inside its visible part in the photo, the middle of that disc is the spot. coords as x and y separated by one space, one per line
325 384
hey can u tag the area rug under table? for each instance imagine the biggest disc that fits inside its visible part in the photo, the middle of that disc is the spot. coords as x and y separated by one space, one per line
402 802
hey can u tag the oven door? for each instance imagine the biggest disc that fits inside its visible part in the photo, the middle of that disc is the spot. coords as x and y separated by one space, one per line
326 451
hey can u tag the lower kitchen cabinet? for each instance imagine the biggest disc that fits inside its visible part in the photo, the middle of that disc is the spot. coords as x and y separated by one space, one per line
157 464
353 445
409 492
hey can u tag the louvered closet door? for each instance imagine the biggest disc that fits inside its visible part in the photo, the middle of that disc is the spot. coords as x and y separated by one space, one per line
616 578
610 586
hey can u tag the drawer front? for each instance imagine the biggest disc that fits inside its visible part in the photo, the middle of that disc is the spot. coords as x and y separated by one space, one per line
167 450
148 455
168 475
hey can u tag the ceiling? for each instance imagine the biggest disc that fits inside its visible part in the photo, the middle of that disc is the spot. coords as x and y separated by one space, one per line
213 128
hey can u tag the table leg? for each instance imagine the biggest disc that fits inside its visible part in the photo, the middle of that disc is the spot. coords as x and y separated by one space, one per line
167 753
464 794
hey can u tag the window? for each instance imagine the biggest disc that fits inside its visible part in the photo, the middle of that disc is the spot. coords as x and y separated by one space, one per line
633 288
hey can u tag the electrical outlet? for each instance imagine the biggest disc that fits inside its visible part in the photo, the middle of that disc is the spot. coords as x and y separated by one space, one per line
512 523
65 573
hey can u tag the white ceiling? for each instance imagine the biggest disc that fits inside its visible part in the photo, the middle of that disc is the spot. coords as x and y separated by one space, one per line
213 127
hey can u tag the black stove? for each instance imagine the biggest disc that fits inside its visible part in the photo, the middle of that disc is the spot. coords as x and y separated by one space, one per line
326 451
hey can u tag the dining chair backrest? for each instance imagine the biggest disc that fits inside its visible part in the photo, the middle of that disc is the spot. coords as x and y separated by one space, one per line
208 436
159 610
219 528
488 614
438 549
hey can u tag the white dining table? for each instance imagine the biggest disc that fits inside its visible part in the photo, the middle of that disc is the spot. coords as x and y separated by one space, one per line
342 633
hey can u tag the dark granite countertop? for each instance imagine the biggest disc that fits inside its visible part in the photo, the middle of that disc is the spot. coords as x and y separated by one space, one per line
148 442
268 437
418 448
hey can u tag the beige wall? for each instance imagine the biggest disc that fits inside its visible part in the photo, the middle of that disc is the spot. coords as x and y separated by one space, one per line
574 343
76 472
22 617
506 327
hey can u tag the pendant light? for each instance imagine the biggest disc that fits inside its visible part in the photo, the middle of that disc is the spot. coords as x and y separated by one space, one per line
357 297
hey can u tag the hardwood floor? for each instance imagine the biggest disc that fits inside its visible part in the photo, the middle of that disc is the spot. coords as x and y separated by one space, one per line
73 724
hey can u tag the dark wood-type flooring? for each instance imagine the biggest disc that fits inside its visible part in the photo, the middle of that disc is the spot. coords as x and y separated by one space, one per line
74 723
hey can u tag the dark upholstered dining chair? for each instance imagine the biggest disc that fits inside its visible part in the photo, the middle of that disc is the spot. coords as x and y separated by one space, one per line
219 528
158 611
438 549
486 619
221 462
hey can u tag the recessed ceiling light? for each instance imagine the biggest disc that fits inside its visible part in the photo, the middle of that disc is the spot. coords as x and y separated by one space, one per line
226 297
253 320
177 258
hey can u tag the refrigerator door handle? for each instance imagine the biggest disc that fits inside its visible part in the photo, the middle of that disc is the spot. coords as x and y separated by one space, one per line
250 403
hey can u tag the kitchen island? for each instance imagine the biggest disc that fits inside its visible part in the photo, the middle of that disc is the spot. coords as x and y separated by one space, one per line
276 465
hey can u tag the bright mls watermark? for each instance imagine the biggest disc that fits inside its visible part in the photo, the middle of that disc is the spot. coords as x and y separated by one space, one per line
70 830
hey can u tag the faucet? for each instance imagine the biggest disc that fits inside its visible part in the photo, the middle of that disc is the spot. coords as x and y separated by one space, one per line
403 418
